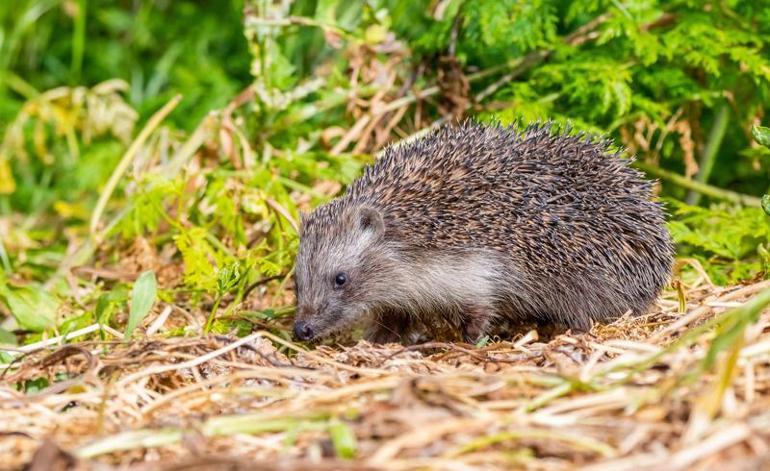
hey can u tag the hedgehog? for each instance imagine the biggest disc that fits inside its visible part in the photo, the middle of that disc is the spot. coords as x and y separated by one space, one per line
474 224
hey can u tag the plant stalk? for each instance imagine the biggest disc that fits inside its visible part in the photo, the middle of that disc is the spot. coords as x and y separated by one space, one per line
128 157
700 187
708 159
78 41
212 315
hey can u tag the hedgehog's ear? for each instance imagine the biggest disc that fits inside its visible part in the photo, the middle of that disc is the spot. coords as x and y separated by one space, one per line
370 220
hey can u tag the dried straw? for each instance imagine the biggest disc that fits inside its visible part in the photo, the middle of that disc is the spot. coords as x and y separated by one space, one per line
628 395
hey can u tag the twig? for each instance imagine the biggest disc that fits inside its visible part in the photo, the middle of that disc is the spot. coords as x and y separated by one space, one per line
190 146
159 321
575 440
421 436
58 340
188 364
296 21
260 282
214 426
719 440
283 212
521 64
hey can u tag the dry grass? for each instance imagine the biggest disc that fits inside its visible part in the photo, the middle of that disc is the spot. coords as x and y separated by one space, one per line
638 394
624 396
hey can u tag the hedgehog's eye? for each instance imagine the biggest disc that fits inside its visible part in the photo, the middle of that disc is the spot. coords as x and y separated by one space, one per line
340 279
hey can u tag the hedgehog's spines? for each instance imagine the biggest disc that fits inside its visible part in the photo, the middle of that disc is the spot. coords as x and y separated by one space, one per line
563 213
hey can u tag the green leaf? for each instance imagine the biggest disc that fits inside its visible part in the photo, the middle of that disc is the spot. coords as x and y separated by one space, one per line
7 338
35 385
228 277
483 342
142 299
761 135
109 302
197 254
343 439
74 323
766 204
32 307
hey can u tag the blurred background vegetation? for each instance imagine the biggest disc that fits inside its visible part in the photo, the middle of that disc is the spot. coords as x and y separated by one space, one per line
183 137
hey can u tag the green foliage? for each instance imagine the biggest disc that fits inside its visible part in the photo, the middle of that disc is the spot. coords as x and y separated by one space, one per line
490 30
761 135
108 303
160 48
75 322
343 439
200 259
142 299
7 338
61 144
731 242
507 27
33 308
283 104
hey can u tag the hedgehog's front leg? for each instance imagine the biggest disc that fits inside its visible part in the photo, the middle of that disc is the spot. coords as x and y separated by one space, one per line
475 322
389 327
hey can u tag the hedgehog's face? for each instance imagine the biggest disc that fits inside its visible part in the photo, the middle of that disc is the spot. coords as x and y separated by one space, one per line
339 262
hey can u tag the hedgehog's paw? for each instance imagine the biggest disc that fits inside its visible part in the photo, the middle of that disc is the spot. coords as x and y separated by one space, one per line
475 324
388 328
381 335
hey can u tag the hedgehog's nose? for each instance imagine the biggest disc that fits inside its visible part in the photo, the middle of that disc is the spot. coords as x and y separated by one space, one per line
302 331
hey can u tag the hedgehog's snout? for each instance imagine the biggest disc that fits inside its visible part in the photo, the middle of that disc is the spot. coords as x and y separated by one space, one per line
303 331
302 328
